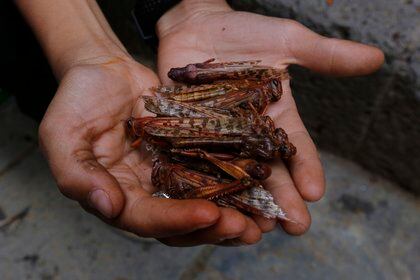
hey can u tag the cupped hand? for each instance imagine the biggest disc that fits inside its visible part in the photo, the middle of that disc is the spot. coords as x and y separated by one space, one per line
195 31
83 138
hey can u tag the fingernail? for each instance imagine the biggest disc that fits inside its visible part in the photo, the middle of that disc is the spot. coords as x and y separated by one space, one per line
99 200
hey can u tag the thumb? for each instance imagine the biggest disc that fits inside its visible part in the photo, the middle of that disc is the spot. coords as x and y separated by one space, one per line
79 176
332 56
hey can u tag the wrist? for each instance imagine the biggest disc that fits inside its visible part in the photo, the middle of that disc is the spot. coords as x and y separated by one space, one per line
86 52
188 9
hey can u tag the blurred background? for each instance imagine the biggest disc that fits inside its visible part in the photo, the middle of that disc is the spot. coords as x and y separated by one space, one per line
367 128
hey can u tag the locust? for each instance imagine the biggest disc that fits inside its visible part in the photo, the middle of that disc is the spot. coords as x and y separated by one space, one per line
248 137
194 184
227 94
208 72
189 93
251 136
172 108
210 136
257 170
242 192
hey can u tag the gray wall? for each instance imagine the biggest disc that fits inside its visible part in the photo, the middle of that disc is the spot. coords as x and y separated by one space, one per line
373 120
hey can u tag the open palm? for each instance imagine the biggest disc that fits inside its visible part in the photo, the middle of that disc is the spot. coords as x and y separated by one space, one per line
215 31
83 132
83 137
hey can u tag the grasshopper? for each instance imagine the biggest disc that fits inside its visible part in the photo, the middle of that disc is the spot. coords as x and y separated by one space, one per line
242 192
227 94
172 108
251 136
207 136
208 72
246 136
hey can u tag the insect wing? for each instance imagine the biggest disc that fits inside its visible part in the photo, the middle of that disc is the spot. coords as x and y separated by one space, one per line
227 101
172 108
255 200
197 127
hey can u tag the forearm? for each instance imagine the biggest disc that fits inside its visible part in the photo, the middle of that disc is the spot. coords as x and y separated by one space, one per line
70 32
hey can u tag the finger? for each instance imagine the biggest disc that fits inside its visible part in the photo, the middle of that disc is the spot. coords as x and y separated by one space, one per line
251 236
264 224
159 217
305 166
281 186
79 176
331 56
231 225
230 231
155 217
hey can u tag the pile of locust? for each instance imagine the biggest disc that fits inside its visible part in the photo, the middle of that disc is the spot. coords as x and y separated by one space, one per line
210 137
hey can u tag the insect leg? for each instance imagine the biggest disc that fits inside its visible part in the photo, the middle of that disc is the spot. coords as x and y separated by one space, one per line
230 168
222 189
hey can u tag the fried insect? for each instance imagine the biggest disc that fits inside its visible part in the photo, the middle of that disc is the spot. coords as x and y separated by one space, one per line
258 85
270 86
208 72
247 136
209 136
180 182
184 93
171 108
257 170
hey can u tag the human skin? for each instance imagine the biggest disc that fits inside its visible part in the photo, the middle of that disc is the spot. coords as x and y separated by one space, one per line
195 31
82 133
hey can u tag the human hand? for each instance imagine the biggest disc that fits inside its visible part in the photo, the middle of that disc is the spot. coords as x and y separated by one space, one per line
82 134
83 138
194 31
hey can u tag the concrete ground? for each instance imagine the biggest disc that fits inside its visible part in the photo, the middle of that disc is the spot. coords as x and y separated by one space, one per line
364 228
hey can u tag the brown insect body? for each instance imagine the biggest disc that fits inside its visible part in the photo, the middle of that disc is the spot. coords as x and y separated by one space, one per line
233 99
195 92
250 167
270 86
257 170
252 138
208 72
191 127
179 182
206 137
229 94
171 108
